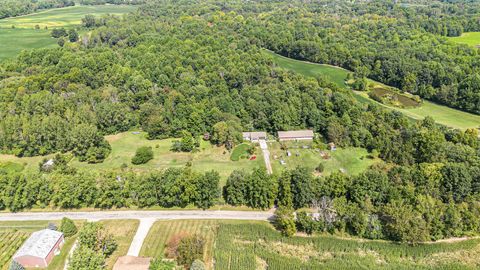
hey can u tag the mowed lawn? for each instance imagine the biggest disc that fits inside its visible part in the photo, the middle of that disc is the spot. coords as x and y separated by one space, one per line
26 37
443 115
469 38
209 157
123 231
351 161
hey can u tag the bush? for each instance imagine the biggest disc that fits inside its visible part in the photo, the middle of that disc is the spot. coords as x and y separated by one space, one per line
190 249
160 264
143 155
320 168
67 227
198 265
285 221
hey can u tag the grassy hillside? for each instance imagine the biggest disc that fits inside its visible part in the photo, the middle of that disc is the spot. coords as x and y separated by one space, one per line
469 38
442 114
25 37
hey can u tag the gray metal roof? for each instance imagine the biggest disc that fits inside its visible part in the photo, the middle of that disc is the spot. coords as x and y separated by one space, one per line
39 244
254 134
295 134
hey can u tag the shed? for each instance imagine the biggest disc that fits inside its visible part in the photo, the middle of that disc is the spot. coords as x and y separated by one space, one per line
295 135
254 136
39 249
132 263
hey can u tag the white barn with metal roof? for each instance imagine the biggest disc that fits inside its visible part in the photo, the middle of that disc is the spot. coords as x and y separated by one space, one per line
39 249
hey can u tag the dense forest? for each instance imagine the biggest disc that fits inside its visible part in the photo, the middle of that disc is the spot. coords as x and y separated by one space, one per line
12 8
200 67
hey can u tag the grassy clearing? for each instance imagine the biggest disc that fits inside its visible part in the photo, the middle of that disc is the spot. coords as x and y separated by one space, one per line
123 231
208 158
27 163
26 37
63 17
256 245
241 151
442 114
350 160
162 231
469 38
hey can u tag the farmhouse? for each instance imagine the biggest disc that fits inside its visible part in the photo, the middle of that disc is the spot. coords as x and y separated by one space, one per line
39 249
132 263
295 135
254 136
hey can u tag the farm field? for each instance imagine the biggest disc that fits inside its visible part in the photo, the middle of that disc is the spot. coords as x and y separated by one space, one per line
442 114
350 160
258 246
25 37
162 231
469 38
208 158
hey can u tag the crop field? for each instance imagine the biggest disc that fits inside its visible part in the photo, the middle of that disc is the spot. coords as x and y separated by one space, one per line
25 37
208 158
350 160
469 38
442 114
162 231
256 245
9 243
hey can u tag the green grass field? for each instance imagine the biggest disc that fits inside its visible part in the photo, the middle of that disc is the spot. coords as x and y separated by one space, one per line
442 114
25 37
350 160
469 38
208 158
123 231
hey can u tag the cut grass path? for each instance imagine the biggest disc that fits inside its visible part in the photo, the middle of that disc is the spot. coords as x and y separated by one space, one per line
442 114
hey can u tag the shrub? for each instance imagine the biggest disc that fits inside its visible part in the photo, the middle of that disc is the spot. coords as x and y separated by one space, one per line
197 265
320 168
190 249
143 155
67 227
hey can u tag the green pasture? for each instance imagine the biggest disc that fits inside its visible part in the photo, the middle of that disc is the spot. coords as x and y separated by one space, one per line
208 157
63 17
469 38
349 160
442 114
25 37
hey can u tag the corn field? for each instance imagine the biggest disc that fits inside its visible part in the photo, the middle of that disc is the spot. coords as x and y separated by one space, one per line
9 243
259 246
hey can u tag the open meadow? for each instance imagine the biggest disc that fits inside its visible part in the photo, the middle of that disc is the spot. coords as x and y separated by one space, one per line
209 157
469 38
25 37
442 114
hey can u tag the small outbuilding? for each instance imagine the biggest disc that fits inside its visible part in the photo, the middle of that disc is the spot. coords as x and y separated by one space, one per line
132 263
295 135
254 136
39 249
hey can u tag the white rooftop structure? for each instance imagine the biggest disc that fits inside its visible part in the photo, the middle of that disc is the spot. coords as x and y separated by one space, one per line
39 244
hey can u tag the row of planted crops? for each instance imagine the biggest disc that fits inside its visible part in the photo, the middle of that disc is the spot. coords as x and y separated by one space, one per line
259 246
9 243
